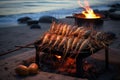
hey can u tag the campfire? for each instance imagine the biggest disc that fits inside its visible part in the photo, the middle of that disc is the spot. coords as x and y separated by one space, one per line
66 45
88 12
87 17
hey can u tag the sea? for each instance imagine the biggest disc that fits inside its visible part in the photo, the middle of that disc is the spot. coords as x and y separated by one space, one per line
11 10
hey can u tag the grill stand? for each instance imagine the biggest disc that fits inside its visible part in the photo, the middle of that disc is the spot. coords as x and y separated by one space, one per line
37 59
79 60
107 57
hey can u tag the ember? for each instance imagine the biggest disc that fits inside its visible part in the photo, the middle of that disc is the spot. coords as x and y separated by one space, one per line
57 56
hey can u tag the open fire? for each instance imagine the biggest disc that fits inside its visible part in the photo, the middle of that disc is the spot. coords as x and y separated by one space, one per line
87 17
88 12
57 56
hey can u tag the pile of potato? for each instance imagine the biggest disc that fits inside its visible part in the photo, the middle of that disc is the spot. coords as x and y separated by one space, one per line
23 70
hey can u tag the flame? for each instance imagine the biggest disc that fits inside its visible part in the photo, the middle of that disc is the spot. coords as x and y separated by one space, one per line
88 12
57 56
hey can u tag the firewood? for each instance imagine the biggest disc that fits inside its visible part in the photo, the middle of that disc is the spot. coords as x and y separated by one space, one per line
25 46
18 48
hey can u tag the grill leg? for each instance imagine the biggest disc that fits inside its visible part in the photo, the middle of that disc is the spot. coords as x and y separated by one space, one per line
79 66
107 57
37 56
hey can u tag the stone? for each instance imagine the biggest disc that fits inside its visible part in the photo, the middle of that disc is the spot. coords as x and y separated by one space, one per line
112 9
35 26
110 35
30 22
115 15
23 19
115 5
47 19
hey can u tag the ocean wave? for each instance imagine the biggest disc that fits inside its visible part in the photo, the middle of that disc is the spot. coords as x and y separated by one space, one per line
58 13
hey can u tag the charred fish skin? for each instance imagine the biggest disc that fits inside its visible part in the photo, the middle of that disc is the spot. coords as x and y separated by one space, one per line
58 39
63 41
53 27
68 47
78 44
87 34
74 43
46 38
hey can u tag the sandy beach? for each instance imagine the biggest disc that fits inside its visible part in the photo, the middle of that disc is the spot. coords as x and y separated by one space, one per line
21 34
23 22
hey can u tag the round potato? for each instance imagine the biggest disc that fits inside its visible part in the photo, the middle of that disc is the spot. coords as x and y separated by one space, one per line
33 68
22 70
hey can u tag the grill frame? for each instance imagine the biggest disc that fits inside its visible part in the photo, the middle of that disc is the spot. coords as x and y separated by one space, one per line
80 57
79 60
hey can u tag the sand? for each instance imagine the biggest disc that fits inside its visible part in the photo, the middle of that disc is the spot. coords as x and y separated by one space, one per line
21 34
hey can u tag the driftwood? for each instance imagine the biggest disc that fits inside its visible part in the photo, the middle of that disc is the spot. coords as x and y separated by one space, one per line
17 48
25 46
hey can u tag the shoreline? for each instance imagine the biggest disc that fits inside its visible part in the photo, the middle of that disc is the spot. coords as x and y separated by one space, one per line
57 13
